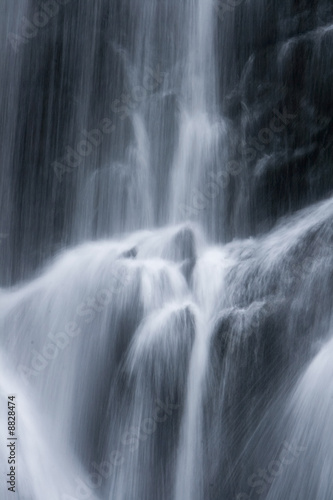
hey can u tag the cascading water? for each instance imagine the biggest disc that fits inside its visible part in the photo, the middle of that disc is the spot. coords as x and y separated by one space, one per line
153 355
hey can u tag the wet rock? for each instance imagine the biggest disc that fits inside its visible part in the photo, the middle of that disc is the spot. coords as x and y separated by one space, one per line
130 254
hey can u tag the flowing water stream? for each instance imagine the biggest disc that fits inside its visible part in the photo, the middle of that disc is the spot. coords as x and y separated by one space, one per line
151 357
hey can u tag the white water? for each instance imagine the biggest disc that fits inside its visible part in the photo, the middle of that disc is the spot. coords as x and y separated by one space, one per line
143 362
145 335
309 417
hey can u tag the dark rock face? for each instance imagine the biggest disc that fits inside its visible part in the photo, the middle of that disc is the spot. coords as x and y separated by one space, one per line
278 96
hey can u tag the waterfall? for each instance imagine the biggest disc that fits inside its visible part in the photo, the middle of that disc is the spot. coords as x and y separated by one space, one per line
166 235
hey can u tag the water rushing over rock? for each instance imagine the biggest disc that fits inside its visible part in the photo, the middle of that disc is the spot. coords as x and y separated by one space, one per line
166 234
157 382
